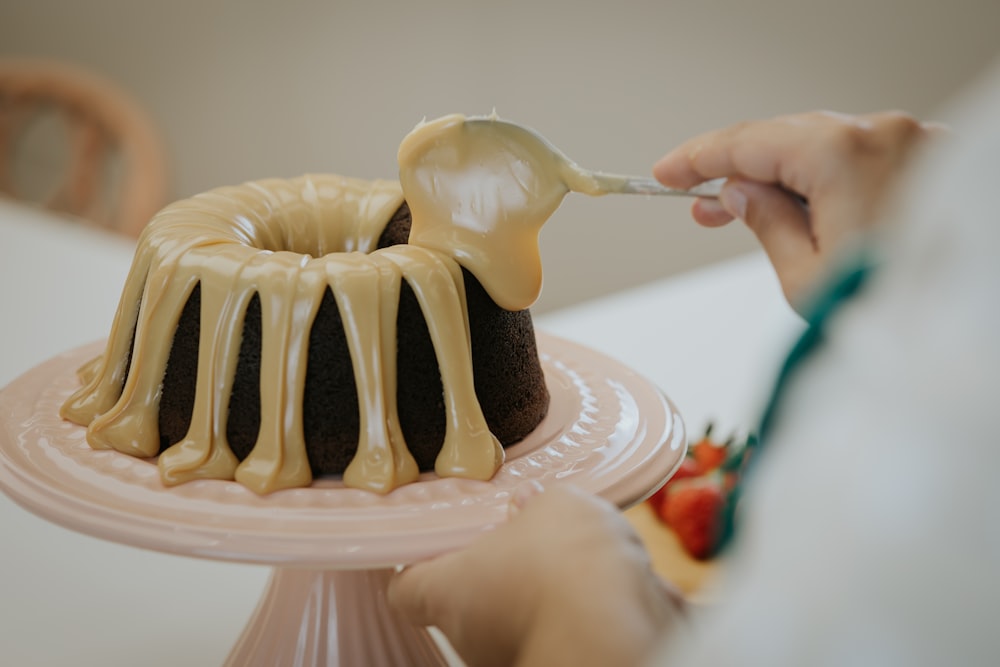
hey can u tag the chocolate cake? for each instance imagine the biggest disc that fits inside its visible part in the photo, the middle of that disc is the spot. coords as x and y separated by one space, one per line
283 330
508 376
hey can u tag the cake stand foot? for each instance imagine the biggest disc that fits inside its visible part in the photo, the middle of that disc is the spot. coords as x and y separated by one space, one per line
314 618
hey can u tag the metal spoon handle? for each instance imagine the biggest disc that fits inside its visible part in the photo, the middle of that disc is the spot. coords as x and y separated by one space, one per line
640 185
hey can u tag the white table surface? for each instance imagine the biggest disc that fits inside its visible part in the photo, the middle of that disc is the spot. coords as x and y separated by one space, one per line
710 339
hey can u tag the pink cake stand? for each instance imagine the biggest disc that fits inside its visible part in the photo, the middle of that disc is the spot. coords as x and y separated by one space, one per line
333 549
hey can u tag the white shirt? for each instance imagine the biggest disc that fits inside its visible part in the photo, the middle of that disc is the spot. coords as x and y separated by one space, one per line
870 529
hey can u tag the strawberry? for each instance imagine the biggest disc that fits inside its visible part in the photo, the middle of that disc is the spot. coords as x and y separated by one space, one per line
694 511
695 501
688 468
656 500
708 455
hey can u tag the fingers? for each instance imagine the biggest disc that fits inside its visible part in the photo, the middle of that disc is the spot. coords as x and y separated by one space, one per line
774 151
781 223
424 592
420 591
513 594
522 495
798 152
755 150
710 212
414 592
844 166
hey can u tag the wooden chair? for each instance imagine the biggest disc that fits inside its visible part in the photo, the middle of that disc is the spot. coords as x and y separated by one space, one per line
113 168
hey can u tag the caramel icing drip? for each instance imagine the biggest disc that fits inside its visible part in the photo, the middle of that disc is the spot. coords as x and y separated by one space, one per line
286 241
480 192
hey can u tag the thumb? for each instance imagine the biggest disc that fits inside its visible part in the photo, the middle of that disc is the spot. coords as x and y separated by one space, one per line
426 591
414 592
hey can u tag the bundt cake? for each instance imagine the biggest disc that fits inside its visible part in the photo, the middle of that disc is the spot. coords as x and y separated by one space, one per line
281 330
286 329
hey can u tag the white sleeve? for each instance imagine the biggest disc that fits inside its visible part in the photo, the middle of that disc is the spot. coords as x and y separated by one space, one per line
870 530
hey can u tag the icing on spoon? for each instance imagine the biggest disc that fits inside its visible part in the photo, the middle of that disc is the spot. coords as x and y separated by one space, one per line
480 189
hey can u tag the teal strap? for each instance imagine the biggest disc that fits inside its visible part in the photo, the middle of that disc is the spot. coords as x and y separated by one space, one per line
840 291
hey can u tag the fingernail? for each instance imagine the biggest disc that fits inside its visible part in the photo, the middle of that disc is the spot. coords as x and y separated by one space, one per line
734 201
711 207
522 494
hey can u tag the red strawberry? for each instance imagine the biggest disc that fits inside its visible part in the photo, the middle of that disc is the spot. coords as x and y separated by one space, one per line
708 455
694 511
688 468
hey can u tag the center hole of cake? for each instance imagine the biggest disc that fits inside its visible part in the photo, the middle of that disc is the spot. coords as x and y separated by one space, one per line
395 231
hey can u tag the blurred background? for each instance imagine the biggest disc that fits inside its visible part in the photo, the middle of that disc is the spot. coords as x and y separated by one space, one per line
253 89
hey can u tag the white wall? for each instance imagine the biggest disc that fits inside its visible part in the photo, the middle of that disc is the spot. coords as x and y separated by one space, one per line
244 90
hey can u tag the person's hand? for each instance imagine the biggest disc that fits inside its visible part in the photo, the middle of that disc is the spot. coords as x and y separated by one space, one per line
565 582
842 166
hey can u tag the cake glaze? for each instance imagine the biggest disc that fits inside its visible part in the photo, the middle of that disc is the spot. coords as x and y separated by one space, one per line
287 244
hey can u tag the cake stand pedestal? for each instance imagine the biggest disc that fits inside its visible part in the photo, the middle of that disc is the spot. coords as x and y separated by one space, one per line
331 617
608 431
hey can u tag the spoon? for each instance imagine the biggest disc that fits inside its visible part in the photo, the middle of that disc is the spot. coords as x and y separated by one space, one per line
480 189
583 180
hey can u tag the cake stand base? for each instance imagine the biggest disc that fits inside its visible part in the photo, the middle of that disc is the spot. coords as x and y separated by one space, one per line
313 618
609 431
